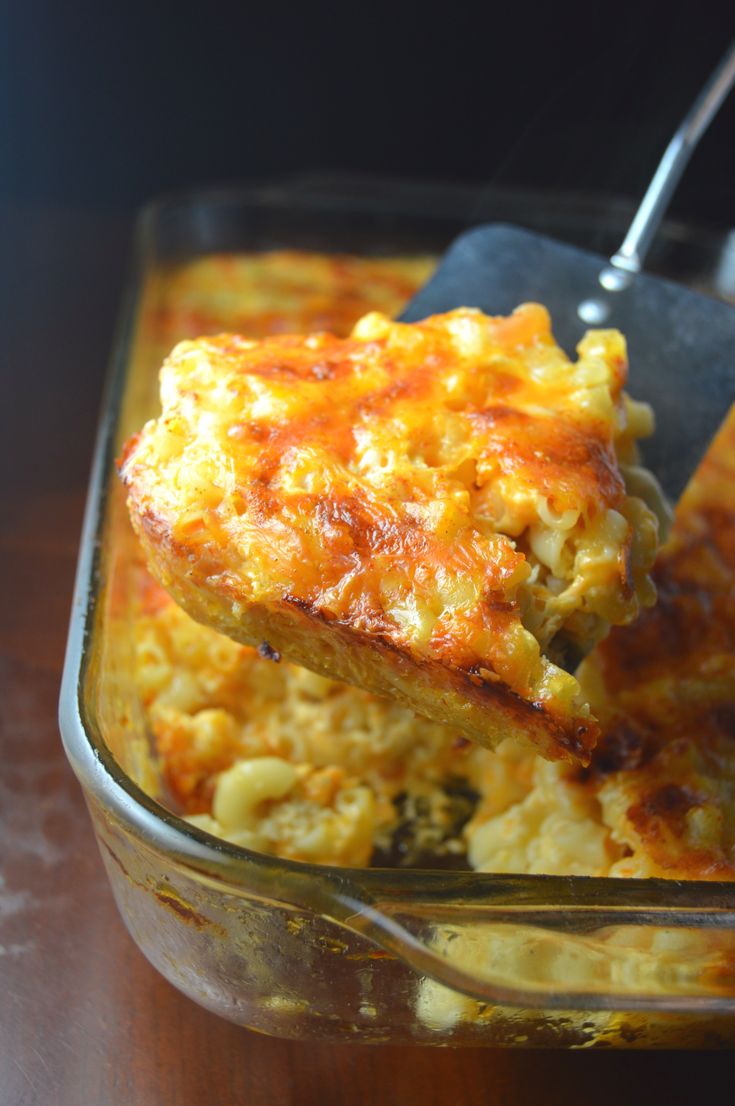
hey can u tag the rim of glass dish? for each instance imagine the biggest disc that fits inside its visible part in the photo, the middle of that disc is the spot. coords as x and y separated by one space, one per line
306 885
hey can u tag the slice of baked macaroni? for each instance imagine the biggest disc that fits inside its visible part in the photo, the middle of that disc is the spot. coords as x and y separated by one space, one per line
435 512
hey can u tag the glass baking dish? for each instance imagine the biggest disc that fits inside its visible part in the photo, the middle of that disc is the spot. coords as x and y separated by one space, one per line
374 955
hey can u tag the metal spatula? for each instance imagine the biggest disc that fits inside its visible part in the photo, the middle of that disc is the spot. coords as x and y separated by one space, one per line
681 344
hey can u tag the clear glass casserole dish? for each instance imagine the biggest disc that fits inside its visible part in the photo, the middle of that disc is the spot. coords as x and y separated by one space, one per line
308 951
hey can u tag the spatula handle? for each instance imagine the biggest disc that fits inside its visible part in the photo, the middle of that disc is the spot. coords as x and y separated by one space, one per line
632 253
628 260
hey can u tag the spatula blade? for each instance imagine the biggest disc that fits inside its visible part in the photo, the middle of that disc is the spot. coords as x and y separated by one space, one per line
681 344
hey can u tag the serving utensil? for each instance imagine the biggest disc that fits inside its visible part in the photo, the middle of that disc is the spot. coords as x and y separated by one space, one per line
681 343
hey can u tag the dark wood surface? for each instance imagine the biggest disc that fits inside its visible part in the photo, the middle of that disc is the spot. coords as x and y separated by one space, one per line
84 1020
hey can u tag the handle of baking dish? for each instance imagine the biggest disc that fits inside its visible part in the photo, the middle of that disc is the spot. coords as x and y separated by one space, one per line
534 942
529 941
549 942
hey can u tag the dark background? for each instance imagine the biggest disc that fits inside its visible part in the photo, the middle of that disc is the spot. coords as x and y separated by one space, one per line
106 105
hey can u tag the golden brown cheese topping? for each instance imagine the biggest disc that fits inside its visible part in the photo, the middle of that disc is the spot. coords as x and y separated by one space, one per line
433 512
283 292
665 690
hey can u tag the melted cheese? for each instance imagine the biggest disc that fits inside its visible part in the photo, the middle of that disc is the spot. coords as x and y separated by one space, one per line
432 511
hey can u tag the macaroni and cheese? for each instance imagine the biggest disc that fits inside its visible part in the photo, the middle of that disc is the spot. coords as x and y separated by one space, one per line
434 512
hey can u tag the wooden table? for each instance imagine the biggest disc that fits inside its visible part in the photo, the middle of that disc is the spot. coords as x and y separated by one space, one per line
84 1020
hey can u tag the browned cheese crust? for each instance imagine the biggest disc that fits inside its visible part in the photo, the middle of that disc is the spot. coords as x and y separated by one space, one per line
433 512
664 770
